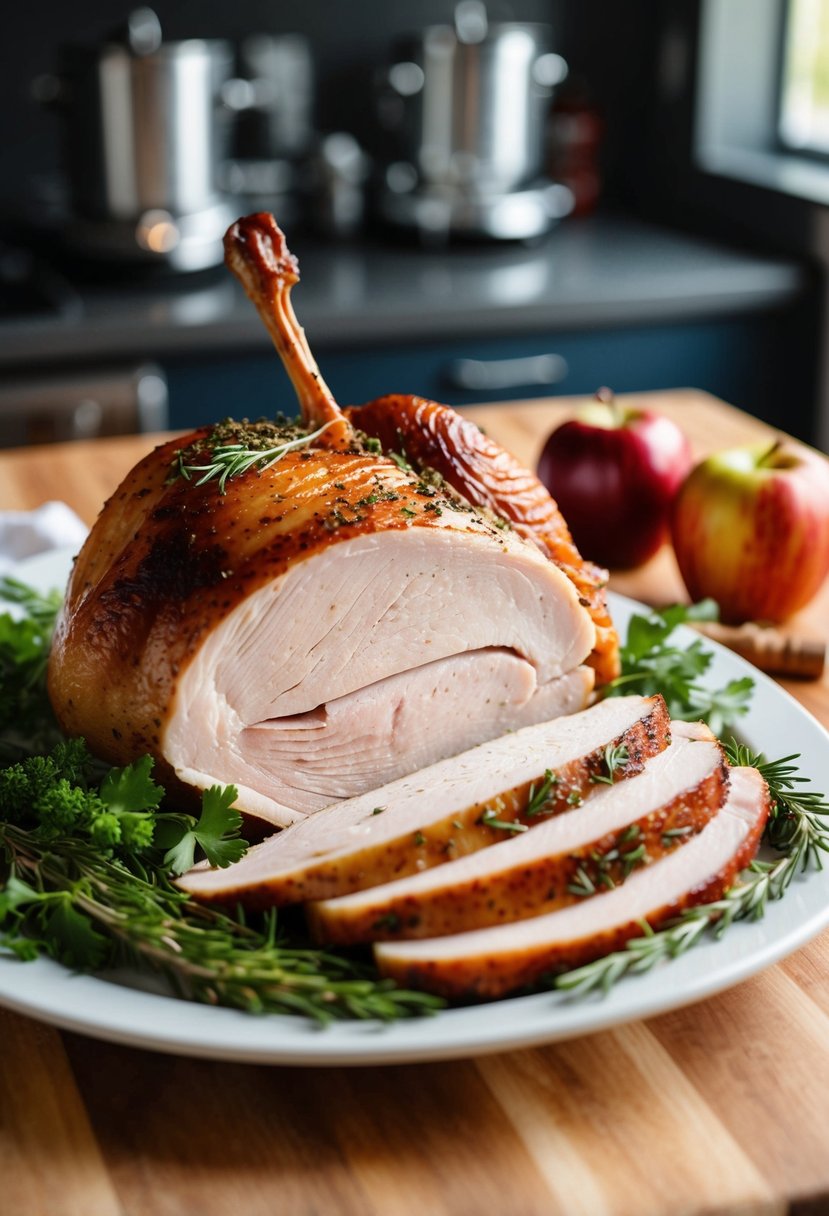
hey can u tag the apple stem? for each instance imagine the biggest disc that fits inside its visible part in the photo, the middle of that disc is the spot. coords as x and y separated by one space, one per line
768 456
608 398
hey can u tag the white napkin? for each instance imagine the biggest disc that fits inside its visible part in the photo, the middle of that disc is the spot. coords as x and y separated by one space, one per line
26 533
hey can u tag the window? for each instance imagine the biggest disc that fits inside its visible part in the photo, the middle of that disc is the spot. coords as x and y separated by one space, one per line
804 96
751 125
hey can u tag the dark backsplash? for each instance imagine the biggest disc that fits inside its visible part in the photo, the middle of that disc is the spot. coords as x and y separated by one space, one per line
612 46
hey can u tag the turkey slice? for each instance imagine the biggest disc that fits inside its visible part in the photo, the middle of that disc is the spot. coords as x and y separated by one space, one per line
435 814
488 963
622 827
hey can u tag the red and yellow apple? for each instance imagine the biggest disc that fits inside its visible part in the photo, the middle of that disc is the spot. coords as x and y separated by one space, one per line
750 528
614 471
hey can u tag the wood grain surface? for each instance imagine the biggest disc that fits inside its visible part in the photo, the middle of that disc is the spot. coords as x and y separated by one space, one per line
722 1107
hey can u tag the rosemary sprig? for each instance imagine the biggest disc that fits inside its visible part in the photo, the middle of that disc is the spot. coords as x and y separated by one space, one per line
80 903
797 828
491 820
233 459
597 869
615 758
539 800
582 884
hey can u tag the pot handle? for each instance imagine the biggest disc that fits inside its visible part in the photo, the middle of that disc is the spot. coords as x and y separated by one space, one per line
143 32
471 21
498 375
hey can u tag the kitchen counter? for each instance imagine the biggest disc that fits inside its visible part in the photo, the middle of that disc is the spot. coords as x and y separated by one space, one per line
605 271
721 1106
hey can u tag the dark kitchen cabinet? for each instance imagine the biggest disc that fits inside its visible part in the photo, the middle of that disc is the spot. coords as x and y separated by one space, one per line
608 300
760 362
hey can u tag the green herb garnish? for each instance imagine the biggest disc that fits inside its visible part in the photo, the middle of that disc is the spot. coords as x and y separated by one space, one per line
232 459
651 664
539 800
798 829
582 884
87 858
615 758
490 819
26 721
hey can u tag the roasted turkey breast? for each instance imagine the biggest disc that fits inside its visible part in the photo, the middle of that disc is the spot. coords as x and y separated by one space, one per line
316 626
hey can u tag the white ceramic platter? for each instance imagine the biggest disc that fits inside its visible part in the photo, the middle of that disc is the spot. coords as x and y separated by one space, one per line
111 1008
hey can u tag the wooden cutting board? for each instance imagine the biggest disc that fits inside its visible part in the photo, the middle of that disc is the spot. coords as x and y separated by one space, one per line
720 1107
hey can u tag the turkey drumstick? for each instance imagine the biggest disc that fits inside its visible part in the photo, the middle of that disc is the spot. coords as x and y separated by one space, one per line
257 253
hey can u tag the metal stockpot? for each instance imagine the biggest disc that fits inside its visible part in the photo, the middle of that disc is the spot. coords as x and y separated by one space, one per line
142 126
144 135
468 103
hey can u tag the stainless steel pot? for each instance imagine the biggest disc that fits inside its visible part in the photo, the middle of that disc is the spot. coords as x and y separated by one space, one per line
468 103
145 133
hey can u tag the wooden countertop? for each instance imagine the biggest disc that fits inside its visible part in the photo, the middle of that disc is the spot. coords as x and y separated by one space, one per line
720 1107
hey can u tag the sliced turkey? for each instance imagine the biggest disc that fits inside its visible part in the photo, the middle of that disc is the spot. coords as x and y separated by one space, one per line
311 629
488 963
435 815
622 827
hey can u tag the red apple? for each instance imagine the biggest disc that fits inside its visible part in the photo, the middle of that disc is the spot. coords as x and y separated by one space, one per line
614 471
750 528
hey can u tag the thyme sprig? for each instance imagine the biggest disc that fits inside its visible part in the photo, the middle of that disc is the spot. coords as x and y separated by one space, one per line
797 828
232 459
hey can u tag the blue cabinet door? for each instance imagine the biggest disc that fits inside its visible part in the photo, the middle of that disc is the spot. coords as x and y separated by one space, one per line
753 362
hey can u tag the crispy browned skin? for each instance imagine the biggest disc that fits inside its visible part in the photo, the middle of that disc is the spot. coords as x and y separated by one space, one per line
538 886
435 436
485 979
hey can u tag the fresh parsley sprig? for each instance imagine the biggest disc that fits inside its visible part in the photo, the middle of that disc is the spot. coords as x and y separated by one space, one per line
798 828
54 798
26 720
651 663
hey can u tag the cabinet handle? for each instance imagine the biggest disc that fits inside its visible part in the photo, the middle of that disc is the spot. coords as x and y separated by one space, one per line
478 375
